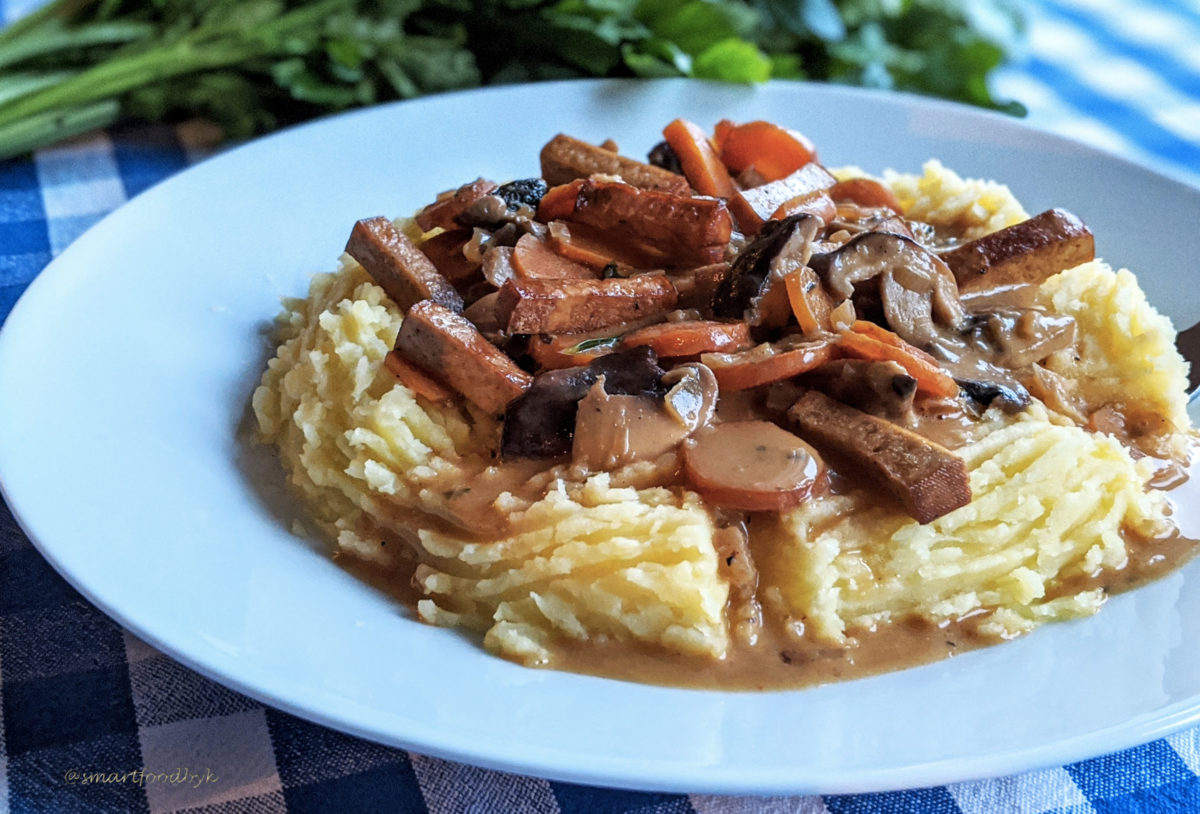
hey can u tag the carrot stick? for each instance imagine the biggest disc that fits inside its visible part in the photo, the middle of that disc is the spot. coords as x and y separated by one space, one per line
416 379
699 160
806 318
864 192
775 152
559 201
763 364
866 340
594 248
675 339
533 258
550 351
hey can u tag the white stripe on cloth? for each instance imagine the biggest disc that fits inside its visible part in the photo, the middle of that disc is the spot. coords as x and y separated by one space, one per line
1187 745
455 788
1172 33
1029 793
80 183
706 804
1108 72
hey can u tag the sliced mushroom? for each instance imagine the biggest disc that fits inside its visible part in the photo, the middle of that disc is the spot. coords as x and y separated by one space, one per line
612 431
541 423
692 395
916 288
754 290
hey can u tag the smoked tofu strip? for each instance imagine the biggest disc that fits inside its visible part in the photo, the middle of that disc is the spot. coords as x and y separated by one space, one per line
447 345
929 479
679 231
564 159
398 266
812 181
1031 251
576 306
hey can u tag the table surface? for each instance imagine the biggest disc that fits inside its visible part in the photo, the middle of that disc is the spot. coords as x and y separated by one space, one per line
95 720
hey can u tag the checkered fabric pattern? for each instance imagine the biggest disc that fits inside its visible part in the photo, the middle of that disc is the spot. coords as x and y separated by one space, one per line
94 720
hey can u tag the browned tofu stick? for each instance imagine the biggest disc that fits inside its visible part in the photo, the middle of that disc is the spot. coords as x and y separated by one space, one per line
398 266
565 159
1027 252
575 306
810 181
678 231
445 210
929 479
447 345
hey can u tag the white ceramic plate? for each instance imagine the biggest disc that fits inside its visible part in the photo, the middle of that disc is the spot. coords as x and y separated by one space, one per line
126 369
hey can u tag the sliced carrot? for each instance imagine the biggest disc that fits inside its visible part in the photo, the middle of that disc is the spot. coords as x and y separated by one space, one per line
809 303
866 340
591 247
775 152
814 203
559 201
864 192
764 364
701 164
533 259
676 339
417 380
550 351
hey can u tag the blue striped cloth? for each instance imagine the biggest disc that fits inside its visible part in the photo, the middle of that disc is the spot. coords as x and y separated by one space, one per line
95 720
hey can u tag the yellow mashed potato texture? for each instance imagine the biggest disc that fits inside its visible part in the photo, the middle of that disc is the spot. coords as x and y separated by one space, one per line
593 560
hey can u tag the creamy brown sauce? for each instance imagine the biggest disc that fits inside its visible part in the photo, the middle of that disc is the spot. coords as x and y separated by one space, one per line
778 660
764 653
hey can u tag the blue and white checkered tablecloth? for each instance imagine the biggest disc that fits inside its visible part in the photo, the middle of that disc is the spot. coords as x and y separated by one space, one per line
78 694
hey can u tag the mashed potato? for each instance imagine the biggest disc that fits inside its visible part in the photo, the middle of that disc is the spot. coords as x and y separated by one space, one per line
598 558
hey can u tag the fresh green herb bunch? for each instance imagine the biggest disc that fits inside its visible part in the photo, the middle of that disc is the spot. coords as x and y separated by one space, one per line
252 65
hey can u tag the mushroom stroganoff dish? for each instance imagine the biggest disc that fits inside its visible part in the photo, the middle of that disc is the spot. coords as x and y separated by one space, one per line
727 417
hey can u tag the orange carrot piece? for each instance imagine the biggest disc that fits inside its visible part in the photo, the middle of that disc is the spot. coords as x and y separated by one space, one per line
676 339
417 380
814 203
533 259
559 201
864 192
775 152
806 318
588 246
550 351
764 365
866 340
701 164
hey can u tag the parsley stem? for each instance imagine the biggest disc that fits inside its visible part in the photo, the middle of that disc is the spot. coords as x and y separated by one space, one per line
20 136
57 38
